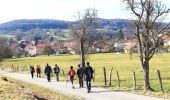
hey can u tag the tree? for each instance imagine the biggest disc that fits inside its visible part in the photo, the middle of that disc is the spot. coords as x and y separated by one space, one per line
119 34
48 50
149 29
84 31
5 52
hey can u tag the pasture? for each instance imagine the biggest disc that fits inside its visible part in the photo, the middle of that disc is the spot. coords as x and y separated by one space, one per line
119 62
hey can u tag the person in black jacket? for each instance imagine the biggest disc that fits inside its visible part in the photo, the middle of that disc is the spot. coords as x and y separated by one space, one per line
32 71
48 72
57 71
88 72
79 74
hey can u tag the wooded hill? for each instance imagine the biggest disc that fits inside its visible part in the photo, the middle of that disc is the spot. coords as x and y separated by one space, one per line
28 24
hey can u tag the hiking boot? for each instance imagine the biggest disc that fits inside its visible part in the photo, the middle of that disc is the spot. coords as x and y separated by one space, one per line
88 91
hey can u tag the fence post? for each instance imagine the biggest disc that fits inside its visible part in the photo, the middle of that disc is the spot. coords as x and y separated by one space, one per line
27 68
118 79
63 72
134 80
104 70
160 80
12 67
110 77
94 75
17 69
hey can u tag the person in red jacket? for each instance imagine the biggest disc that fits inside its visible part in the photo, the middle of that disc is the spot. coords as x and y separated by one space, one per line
71 74
38 70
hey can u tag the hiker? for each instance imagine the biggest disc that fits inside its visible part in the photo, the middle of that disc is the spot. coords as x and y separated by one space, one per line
88 72
38 70
80 76
48 72
57 71
32 71
71 74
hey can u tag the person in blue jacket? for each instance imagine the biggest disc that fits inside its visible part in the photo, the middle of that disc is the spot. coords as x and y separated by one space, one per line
48 72
88 72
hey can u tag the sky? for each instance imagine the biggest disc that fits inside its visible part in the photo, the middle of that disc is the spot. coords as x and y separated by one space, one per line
61 9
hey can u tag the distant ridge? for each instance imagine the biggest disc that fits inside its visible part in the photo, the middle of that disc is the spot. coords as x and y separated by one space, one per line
28 24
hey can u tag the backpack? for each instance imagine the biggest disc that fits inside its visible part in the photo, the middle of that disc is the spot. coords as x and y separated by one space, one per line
56 70
38 70
72 73
32 69
89 73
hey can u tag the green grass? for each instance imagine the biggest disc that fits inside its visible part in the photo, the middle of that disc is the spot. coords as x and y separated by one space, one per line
119 62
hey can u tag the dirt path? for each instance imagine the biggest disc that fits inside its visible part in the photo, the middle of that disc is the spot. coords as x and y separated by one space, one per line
65 88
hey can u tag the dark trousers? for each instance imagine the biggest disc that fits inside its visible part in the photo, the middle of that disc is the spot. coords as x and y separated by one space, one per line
71 79
57 76
88 84
81 81
48 77
38 75
32 74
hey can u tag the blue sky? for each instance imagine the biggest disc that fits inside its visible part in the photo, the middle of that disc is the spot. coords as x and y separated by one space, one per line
60 9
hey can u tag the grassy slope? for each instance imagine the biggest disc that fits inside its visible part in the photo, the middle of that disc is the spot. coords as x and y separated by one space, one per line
120 62
19 90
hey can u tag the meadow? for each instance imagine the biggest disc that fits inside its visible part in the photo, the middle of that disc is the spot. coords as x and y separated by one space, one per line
119 62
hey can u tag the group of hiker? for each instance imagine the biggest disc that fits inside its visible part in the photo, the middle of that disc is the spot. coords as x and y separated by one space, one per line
85 73
38 71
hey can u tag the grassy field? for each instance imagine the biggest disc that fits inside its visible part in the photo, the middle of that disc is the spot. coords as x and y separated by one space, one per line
119 62
19 90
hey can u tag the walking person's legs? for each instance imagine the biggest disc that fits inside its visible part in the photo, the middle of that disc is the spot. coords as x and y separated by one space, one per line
89 85
37 75
32 74
81 82
48 77
57 76
71 79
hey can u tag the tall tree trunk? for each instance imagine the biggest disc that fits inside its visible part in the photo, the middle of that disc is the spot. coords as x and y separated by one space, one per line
82 52
146 75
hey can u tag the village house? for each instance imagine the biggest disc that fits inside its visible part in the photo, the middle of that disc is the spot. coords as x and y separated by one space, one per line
131 46
120 45
167 44
38 48
31 49
72 46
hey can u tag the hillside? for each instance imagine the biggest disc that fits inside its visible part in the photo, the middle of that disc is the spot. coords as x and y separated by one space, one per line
28 24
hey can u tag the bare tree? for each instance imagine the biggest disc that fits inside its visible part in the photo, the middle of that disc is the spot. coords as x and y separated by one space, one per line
84 30
149 29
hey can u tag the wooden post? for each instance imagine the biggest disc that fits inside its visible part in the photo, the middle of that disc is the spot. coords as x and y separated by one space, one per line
94 75
27 68
160 80
12 67
63 72
104 70
118 79
17 68
134 80
110 77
